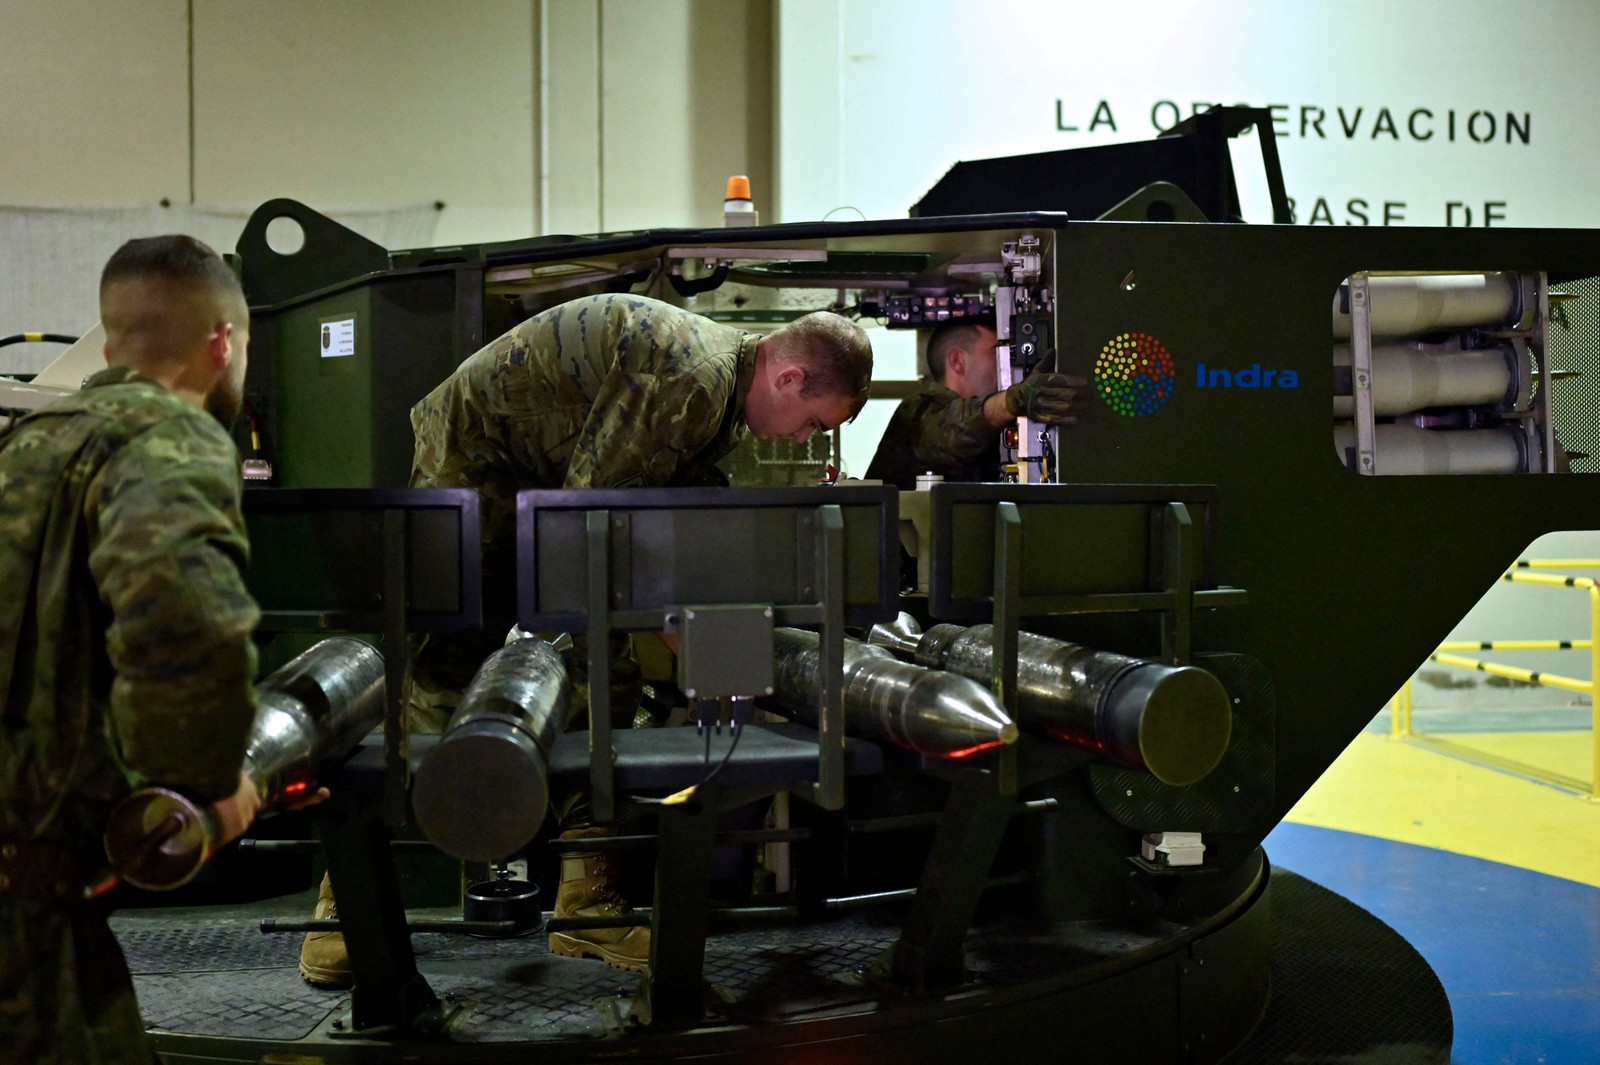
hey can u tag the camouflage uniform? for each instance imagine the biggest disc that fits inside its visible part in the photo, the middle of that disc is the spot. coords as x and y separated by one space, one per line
610 391
935 430
125 659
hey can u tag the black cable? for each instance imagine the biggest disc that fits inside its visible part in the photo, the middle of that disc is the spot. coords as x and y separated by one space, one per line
685 286
737 730
705 726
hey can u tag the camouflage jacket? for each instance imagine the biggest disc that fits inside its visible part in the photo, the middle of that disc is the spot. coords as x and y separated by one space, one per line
125 650
601 392
612 391
125 659
607 391
935 430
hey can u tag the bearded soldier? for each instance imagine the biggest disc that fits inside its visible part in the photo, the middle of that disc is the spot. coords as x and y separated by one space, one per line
125 650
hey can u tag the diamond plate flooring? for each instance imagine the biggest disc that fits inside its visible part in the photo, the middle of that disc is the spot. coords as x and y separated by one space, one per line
1347 988
221 976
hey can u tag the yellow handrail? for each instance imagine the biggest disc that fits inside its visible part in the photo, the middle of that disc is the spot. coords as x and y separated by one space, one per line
1556 563
1527 676
1549 579
1400 722
1516 645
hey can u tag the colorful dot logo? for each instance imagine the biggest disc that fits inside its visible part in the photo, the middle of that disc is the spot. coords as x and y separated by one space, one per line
1134 374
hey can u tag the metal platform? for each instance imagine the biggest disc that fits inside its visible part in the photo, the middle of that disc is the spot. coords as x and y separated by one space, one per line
213 988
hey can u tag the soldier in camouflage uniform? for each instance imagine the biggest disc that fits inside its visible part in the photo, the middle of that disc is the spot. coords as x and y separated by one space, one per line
610 391
618 391
951 424
125 651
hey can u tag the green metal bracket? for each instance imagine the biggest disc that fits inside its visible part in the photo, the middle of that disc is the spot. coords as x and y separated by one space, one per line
602 756
1177 621
830 565
396 648
1007 618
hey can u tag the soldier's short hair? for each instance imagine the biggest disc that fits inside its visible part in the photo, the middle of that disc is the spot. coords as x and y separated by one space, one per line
955 333
176 259
833 351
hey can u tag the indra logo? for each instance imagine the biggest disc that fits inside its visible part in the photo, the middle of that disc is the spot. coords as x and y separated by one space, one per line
1134 374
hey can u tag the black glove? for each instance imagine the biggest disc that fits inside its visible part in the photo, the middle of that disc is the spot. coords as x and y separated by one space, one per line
1049 398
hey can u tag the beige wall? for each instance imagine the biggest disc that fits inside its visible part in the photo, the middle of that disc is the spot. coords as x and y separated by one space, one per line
670 141
359 104
649 106
94 102
521 116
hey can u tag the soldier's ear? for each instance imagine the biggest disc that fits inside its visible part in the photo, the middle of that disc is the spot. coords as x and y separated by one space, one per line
790 376
219 345
955 362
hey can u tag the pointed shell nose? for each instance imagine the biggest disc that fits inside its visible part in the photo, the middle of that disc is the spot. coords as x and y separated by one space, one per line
952 716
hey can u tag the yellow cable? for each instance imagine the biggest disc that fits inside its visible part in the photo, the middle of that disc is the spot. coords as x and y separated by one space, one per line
680 797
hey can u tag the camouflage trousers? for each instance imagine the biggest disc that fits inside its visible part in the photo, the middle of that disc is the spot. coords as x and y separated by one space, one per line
66 997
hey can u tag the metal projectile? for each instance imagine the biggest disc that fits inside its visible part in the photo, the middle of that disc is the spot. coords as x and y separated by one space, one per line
312 713
482 792
1171 721
923 710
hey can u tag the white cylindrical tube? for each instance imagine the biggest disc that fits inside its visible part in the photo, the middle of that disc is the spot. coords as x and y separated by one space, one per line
1412 304
1405 379
1409 449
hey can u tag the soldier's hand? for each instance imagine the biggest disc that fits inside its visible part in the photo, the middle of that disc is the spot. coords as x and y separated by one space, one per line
235 813
310 798
1049 398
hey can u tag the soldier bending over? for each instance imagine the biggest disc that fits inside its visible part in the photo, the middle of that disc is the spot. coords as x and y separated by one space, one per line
610 391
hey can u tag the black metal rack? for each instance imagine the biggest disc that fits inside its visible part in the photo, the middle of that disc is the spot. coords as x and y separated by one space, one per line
359 589
605 562
1137 548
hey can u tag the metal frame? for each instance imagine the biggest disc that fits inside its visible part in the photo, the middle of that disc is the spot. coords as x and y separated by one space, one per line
930 952
395 619
370 799
467 543
1361 372
687 834
1527 335
621 503
1199 590
609 609
1538 338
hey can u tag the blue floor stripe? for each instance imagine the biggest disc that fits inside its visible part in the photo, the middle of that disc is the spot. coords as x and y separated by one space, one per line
1518 952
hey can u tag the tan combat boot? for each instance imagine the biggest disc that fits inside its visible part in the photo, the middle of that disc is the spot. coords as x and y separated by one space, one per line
324 962
588 889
